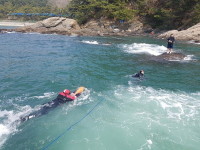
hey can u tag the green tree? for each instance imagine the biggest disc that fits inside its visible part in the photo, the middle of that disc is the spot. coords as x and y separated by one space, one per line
84 10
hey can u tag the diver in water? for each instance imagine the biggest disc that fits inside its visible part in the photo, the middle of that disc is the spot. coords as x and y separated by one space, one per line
62 98
139 74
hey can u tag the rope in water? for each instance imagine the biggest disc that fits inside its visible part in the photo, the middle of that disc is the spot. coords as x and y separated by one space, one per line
70 127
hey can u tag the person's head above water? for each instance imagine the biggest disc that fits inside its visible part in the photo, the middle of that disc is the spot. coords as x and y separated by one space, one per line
66 91
142 72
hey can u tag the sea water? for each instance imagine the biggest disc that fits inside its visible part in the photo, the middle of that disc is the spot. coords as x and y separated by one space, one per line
116 111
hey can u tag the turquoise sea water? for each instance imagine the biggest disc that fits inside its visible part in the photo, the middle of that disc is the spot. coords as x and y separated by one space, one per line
161 112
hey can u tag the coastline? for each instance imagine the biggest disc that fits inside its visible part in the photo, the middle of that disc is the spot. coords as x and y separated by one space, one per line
66 26
15 23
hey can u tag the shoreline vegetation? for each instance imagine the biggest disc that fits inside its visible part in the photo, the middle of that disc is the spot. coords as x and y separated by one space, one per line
159 14
105 17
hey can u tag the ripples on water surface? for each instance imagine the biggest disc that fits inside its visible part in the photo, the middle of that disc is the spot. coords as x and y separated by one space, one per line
160 112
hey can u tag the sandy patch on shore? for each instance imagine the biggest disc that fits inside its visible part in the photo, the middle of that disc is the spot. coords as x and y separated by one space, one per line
14 23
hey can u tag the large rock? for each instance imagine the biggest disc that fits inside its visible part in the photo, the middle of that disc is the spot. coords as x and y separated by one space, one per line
106 27
136 26
192 33
4 30
170 57
58 25
99 27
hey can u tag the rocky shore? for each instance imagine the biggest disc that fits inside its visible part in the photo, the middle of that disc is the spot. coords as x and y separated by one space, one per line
103 27
66 26
192 33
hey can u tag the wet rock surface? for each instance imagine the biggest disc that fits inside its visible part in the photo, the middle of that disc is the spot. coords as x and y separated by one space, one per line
169 57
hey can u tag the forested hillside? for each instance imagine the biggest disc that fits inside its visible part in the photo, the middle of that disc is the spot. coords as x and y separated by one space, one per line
163 14
25 6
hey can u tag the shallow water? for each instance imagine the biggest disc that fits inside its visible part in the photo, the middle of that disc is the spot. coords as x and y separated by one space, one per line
160 112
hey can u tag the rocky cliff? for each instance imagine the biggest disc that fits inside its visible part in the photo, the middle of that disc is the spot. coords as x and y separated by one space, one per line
192 33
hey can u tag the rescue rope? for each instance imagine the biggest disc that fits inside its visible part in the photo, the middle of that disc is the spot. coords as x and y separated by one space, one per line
71 126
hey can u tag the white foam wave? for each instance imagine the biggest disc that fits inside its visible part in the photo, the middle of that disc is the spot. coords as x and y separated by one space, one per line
90 42
10 121
106 44
141 48
46 95
174 105
146 145
3 132
149 142
188 58
32 33
154 111
11 32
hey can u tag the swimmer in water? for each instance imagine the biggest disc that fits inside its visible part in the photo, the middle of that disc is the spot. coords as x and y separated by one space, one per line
62 98
139 74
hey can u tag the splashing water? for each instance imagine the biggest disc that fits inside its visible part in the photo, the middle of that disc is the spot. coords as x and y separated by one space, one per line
143 48
159 112
91 42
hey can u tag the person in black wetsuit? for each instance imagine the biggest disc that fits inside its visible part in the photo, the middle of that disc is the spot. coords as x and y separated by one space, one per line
170 43
62 98
139 74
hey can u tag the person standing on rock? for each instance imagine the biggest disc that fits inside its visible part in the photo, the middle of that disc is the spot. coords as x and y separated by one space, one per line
170 43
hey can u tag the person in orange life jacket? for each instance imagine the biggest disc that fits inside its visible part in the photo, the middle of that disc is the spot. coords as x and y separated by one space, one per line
62 97
66 95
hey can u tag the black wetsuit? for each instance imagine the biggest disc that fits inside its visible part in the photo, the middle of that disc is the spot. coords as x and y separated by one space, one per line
138 75
46 107
170 44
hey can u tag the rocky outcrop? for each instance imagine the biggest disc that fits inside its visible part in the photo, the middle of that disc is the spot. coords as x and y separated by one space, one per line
58 25
101 27
192 33
105 27
3 30
170 57
136 27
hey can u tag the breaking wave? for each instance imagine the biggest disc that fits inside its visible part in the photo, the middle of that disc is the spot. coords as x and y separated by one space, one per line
143 48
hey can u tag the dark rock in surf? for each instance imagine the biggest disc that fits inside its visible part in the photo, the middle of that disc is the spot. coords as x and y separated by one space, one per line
170 57
4 30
